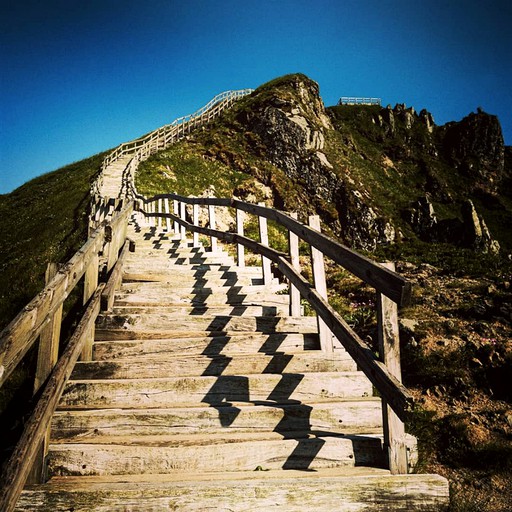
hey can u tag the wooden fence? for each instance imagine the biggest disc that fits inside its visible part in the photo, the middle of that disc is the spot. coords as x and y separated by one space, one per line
40 321
352 100
392 290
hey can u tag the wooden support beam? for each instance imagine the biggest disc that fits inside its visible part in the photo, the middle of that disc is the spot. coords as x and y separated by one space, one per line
90 285
160 211
213 225
389 352
318 267
195 221
293 247
18 466
240 250
167 220
175 210
183 216
47 357
265 262
116 276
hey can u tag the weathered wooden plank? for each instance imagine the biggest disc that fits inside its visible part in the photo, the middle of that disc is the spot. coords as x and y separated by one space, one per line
162 322
231 344
349 417
17 468
186 366
214 453
214 390
389 352
362 490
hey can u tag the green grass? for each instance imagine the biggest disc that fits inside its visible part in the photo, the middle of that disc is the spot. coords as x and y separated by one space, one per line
44 220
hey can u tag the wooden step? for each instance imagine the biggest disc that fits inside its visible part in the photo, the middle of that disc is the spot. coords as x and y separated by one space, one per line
218 324
184 391
212 452
349 416
236 343
186 365
351 489
201 309
165 294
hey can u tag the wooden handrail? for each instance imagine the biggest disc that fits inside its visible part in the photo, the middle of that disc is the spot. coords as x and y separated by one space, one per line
21 333
18 467
395 394
385 281
17 338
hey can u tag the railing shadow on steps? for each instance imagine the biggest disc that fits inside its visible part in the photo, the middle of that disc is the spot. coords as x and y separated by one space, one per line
392 291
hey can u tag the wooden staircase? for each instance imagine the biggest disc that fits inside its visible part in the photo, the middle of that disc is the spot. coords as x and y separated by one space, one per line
203 394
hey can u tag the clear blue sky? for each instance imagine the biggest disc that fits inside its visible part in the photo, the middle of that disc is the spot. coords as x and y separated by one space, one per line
81 76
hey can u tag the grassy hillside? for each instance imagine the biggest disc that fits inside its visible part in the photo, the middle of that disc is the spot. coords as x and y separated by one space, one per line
44 220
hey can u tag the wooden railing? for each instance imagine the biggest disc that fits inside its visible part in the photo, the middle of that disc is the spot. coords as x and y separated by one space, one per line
153 142
40 321
352 100
392 291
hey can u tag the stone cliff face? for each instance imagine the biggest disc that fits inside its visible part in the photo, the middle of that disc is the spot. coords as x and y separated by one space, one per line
475 147
365 170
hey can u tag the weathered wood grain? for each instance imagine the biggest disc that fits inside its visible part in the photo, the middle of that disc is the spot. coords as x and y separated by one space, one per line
16 470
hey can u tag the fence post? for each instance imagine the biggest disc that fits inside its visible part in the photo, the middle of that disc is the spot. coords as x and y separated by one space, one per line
293 245
265 262
159 211
183 216
213 225
151 209
240 249
90 285
167 220
195 221
318 267
47 357
389 351
175 210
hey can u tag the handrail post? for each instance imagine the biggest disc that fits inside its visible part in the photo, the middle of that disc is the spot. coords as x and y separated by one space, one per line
167 220
265 262
151 209
293 247
90 285
47 357
183 216
213 225
389 351
240 249
160 211
175 210
318 267
195 221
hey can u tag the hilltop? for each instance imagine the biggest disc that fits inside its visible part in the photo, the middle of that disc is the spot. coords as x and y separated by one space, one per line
385 180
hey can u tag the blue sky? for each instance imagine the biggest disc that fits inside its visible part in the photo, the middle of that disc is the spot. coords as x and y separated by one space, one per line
81 76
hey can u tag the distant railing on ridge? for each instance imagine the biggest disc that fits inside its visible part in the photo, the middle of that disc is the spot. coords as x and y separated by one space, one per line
349 100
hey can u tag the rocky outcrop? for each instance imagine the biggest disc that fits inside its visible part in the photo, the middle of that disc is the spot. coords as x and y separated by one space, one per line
470 232
475 147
